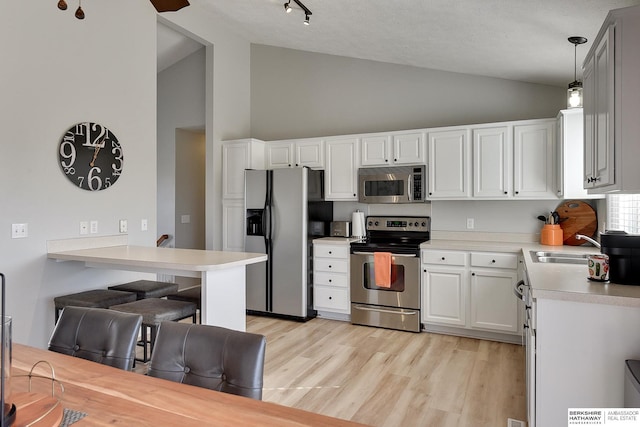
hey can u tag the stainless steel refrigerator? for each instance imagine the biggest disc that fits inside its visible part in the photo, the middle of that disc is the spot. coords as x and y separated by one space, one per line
284 212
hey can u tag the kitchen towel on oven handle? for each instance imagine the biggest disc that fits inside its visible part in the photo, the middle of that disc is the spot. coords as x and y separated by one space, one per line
382 269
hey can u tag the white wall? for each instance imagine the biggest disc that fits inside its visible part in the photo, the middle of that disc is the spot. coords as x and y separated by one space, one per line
227 98
181 105
57 71
296 94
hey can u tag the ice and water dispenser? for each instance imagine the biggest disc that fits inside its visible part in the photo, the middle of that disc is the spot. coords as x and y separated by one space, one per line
255 222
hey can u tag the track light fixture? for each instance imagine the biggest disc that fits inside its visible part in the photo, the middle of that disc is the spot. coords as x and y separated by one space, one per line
307 12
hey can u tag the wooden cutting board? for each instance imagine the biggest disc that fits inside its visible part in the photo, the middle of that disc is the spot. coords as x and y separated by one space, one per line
580 219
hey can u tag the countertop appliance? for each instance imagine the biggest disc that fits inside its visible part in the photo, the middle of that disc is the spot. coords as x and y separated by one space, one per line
392 184
283 208
397 306
340 229
624 256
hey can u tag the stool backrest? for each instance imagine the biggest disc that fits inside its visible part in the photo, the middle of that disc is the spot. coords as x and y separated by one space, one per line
210 357
101 335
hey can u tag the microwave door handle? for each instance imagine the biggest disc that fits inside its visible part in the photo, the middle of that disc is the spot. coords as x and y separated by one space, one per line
409 187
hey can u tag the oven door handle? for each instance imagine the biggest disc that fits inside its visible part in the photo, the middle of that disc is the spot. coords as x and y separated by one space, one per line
382 310
398 255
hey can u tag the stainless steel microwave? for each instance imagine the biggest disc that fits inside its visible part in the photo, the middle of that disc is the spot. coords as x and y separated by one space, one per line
392 184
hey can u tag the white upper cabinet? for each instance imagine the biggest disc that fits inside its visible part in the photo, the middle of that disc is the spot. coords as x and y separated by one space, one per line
408 148
569 156
291 154
341 171
449 167
392 149
611 105
237 156
376 150
492 162
310 153
534 168
280 155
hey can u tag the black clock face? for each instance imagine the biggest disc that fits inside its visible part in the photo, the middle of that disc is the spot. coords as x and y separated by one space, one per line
90 156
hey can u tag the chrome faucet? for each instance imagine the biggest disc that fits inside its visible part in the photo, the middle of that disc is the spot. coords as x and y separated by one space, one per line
588 239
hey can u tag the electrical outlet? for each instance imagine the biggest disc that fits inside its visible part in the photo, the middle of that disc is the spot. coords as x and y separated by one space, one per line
84 227
94 227
123 226
470 223
143 225
19 231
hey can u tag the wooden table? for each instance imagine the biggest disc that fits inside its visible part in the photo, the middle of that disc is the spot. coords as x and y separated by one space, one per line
222 273
113 397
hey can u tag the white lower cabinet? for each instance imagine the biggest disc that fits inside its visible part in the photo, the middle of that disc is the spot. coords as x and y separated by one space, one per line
494 305
470 291
233 219
331 296
444 295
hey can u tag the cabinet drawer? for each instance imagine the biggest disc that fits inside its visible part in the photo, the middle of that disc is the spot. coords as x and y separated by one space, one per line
322 278
444 257
331 265
496 260
327 251
331 298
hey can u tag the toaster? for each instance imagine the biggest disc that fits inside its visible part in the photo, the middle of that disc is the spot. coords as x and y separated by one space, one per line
340 229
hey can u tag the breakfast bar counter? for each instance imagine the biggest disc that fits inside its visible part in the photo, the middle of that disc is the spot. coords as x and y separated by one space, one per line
222 273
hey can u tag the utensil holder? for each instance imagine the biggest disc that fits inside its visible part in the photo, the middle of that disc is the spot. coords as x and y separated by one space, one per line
551 234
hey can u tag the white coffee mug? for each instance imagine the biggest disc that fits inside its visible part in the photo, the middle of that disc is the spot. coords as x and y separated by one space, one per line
598 267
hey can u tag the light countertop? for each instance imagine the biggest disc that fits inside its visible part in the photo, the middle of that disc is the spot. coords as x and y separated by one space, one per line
154 257
553 281
335 240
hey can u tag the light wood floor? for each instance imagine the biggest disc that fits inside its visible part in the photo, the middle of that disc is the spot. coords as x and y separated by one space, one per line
390 378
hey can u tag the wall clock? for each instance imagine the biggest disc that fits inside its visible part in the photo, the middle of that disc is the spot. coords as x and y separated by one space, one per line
90 156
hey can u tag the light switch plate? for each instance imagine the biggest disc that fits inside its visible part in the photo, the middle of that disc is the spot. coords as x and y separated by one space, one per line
144 225
93 227
123 226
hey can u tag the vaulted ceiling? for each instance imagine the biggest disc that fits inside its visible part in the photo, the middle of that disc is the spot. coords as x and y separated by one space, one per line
524 40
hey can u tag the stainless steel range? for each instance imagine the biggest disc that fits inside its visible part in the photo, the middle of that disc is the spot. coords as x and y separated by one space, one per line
396 306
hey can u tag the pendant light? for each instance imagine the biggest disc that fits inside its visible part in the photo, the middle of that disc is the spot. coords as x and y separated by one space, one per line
574 93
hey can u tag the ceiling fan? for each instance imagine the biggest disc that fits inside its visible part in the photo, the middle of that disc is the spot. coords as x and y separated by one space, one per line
160 5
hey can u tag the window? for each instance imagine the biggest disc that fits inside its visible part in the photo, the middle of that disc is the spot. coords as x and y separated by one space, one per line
624 212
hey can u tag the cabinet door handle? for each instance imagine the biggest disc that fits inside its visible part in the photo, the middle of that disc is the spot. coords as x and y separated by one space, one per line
443 258
493 261
473 274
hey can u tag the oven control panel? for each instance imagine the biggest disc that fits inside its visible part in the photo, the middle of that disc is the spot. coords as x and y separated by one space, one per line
399 223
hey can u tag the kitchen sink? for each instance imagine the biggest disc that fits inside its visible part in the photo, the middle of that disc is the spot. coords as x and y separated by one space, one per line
559 257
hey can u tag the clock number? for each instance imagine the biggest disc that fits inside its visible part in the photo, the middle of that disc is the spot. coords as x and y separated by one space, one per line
94 182
95 140
116 150
67 152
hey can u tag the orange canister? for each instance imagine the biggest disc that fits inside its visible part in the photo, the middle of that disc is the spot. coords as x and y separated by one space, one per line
551 234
